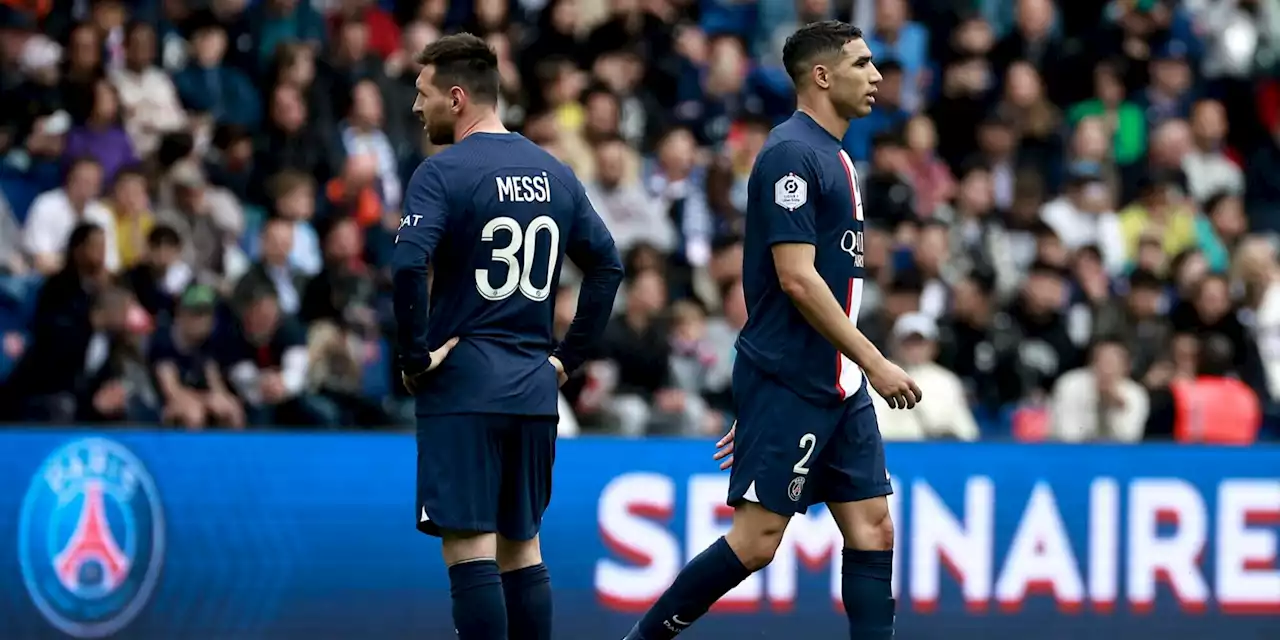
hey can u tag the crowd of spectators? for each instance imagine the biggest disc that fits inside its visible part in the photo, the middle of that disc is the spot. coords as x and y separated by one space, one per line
1070 205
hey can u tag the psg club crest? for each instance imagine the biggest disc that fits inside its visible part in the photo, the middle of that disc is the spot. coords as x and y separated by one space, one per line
91 538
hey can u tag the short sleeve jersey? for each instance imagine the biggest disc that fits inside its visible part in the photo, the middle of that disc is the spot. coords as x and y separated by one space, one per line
803 189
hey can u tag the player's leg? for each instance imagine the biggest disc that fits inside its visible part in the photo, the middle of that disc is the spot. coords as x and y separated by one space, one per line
458 482
855 486
528 454
777 434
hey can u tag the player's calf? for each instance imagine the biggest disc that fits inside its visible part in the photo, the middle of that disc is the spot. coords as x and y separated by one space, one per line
867 571
526 585
749 546
475 585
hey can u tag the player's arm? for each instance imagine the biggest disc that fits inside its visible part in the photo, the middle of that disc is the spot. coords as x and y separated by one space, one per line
787 174
592 249
421 226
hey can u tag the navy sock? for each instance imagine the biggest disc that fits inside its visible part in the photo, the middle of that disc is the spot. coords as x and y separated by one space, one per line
528 593
867 592
706 578
479 608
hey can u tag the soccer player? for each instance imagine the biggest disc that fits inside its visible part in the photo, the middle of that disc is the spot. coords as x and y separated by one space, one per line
494 215
806 431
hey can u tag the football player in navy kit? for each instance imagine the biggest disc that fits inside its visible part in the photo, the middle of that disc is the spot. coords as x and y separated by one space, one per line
494 215
806 430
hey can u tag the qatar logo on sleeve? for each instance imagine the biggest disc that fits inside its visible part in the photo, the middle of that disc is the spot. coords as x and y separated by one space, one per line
91 538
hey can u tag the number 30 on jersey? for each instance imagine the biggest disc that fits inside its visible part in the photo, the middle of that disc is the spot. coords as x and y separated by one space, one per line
519 263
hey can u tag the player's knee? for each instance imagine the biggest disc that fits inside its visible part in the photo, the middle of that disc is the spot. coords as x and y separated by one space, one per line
877 535
514 555
466 546
873 532
755 535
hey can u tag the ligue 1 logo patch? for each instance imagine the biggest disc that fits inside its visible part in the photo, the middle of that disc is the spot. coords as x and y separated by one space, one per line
91 538
790 192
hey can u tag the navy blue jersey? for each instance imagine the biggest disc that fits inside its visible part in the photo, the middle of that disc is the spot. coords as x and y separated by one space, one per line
803 189
495 216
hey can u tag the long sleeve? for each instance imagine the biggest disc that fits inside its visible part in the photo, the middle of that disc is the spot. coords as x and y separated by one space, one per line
592 249
421 227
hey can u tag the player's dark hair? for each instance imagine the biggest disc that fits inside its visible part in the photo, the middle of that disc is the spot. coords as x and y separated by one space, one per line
815 40
464 60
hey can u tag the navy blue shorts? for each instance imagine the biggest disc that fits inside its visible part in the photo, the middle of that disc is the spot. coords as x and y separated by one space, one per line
485 473
790 453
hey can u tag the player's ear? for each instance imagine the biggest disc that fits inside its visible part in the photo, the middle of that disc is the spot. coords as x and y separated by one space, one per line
822 76
455 96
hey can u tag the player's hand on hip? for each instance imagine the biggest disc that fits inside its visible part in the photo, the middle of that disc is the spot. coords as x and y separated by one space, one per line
440 354
725 447
561 376
410 380
895 386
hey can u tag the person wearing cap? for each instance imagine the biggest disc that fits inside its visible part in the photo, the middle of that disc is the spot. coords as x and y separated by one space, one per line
187 375
1083 215
947 414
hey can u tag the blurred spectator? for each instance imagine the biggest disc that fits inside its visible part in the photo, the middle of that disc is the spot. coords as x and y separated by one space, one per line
1221 229
915 348
1210 406
1099 402
930 178
12 260
1138 321
622 203
268 367
54 215
273 271
147 95
209 220
160 275
213 91
639 344
294 195
100 136
1207 167
1038 324
187 374
1161 213
1257 268
362 134
1083 215
130 205
68 333
1111 109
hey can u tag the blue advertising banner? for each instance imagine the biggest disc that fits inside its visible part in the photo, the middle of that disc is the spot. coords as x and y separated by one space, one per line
169 536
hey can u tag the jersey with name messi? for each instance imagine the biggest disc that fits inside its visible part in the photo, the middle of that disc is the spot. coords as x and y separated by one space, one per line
803 189
497 215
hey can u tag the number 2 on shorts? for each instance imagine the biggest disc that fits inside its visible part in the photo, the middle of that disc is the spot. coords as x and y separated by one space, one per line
808 442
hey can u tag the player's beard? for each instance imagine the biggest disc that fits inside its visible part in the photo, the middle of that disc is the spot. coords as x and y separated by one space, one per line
440 134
